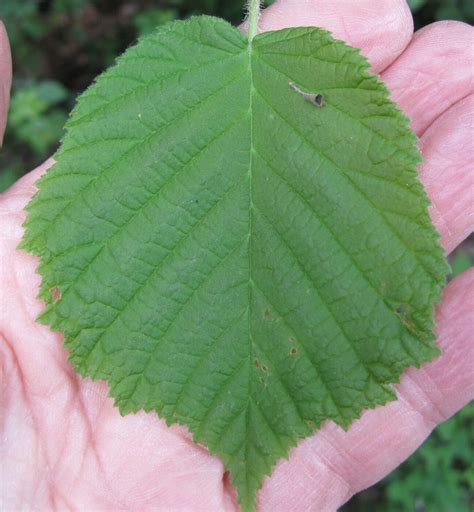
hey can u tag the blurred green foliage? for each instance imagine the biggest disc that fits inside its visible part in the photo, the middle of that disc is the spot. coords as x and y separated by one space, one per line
59 46
438 477
426 11
36 117
460 262
446 457
146 21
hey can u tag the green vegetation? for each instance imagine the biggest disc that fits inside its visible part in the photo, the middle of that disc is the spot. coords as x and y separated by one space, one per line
427 11
438 477
239 310
59 46
69 42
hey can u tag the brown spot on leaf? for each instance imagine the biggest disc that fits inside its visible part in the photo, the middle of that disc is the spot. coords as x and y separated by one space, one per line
404 312
266 313
293 351
55 294
256 363
264 368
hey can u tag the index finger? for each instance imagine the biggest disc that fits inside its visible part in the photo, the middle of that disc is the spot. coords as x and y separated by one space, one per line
5 78
382 29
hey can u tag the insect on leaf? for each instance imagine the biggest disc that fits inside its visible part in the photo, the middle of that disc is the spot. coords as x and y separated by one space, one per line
235 237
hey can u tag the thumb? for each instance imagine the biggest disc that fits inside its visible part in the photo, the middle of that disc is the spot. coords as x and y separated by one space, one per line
5 78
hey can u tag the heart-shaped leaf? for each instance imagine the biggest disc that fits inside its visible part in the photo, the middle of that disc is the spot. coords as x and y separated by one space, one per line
234 236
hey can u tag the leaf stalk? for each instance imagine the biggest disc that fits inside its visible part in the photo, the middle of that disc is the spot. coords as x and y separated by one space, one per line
253 8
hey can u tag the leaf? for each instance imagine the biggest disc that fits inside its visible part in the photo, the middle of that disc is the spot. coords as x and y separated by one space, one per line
416 5
461 261
226 252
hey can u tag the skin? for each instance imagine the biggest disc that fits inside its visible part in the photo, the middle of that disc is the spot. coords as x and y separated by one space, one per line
63 445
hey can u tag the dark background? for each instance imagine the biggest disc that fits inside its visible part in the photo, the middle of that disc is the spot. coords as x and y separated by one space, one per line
59 46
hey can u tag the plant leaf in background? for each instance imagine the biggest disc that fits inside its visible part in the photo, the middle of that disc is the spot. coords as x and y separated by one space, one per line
417 4
146 21
33 117
445 457
234 236
7 178
460 262
35 121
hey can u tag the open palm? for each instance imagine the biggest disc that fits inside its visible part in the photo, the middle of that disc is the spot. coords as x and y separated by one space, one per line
63 445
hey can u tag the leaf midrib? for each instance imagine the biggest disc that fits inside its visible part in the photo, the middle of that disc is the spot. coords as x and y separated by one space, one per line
249 285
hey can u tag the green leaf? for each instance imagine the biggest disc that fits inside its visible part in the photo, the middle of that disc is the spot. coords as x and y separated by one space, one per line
8 176
227 253
147 21
416 5
449 12
461 261
33 118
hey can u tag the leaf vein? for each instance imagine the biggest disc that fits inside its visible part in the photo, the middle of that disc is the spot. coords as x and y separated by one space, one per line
369 202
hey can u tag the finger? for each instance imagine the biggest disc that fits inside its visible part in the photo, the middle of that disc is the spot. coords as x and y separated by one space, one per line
434 72
380 28
324 471
447 172
18 276
17 196
18 270
20 282
5 78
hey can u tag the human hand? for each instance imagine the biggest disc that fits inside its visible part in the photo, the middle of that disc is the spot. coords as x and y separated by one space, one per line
64 446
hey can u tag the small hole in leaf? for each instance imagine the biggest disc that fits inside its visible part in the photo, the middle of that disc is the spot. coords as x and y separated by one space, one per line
319 100
292 339
55 294
264 368
315 99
